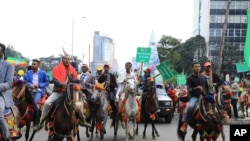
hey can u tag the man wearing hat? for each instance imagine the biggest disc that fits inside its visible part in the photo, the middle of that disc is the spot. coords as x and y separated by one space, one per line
216 81
110 85
87 81
98 72
6 80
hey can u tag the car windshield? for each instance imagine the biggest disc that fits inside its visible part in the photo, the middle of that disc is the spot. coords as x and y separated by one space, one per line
161 91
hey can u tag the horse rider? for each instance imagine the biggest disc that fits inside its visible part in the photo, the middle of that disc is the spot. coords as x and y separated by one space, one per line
87 82
145 88
216 81
20 75
124 76
196 83
37 81
110 85
99 71
6 80
62 74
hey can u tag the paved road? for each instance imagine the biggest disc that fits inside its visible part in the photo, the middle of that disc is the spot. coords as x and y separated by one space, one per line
167 133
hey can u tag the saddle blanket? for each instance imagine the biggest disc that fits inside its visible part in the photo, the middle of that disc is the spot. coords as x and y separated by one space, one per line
10 120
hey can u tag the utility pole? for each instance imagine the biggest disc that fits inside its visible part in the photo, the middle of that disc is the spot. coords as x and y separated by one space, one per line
218 67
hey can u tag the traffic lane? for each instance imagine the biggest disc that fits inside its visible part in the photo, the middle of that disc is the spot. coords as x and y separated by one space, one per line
165 130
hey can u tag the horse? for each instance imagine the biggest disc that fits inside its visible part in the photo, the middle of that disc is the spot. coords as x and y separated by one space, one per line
244 102
99 112
150 108
129 108
205 121
23 100
65 109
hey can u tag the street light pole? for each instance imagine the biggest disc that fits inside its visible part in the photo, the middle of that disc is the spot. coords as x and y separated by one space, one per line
73 28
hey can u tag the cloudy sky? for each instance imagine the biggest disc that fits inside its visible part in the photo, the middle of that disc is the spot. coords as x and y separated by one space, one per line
40 28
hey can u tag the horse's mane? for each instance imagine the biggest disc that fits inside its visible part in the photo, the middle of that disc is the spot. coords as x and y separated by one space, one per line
28 95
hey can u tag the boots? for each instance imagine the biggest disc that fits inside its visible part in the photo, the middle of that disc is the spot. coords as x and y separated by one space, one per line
82 117
44 115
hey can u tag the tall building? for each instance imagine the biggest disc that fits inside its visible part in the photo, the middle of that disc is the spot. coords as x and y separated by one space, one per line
103 52
209 17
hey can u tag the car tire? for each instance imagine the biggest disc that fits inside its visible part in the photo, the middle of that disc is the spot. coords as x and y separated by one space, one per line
168 118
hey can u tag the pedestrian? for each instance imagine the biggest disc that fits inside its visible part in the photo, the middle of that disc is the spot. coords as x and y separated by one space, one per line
235 95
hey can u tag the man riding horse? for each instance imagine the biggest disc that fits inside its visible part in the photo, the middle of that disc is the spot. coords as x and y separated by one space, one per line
37 81
6 80
110 85
196 83
62 74
124 76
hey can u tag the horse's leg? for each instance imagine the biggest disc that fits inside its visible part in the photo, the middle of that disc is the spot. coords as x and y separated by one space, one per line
137 128
153 129
126 130
28 123
145 127
194 134
134 128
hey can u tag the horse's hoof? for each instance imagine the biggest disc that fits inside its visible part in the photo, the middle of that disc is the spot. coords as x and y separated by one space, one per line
144 137
153 138
87 135
157 135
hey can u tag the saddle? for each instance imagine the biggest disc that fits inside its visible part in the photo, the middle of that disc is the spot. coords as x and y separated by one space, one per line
10 119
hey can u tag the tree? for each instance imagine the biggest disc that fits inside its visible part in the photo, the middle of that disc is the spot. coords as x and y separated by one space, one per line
194 49
218 67
11 52
168 49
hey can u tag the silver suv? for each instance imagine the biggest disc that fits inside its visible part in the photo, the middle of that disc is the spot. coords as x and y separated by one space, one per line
165 104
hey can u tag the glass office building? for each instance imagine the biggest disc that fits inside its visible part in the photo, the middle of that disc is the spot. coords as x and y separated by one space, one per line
209 20
103 51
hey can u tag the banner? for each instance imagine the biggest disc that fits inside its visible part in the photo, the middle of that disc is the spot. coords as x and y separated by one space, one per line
17 61
247 43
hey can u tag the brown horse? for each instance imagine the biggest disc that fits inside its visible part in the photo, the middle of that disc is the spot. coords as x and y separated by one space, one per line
23 99
65 109
150 108
205 120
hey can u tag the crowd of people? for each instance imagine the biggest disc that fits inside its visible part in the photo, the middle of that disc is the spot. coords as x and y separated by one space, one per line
37 80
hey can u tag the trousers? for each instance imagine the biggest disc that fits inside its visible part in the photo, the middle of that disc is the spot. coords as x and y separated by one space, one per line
47 105
3 124
189 109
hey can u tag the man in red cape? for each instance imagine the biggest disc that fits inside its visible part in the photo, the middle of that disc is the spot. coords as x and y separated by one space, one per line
62 74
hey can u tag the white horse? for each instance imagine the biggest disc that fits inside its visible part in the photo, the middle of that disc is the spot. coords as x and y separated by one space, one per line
130 106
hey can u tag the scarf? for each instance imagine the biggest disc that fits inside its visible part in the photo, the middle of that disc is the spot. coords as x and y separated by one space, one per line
60 72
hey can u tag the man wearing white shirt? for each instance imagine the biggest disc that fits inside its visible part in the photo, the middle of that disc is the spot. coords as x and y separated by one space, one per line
123 76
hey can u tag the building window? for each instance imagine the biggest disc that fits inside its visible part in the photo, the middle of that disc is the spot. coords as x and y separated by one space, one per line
243 32
218 32
212 32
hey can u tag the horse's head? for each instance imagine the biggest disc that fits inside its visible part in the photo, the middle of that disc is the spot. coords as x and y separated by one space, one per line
73 95
207 108
130 85
99 92
18 91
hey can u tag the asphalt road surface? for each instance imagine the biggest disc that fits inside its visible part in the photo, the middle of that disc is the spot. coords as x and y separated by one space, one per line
167 132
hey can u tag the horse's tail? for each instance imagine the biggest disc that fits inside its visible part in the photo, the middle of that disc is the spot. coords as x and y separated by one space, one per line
181 135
